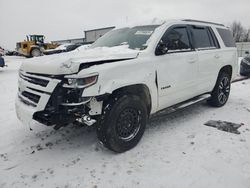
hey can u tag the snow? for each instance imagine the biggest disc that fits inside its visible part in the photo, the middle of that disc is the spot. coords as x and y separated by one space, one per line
176 150
82 48
61 47
68 63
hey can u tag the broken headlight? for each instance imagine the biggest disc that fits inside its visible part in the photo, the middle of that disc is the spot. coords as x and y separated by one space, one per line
73 82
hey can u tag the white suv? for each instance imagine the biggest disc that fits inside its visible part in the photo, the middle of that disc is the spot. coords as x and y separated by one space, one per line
128 75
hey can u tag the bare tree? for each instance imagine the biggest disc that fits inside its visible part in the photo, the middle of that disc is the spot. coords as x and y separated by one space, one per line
237 31
246 35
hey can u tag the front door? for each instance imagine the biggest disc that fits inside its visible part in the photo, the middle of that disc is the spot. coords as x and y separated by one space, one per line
177 67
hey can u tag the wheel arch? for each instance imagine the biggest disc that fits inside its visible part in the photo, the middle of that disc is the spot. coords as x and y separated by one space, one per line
215 100
34 47
226 69
140 90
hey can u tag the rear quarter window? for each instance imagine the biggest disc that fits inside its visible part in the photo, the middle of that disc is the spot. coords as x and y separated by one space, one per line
227 37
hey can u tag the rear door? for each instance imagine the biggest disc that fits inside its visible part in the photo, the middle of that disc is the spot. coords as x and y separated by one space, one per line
209 56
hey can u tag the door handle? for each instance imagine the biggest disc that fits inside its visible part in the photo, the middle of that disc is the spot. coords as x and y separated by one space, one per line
191 60
217 56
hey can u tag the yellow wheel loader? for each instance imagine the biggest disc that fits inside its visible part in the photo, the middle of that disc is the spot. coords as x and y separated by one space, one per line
34 46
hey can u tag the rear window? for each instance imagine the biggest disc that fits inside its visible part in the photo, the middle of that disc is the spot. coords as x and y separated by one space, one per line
226 37
203 38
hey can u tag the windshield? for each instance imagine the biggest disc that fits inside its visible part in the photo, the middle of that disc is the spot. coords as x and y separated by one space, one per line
135 37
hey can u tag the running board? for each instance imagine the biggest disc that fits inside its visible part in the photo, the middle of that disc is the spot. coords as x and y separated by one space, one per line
182 105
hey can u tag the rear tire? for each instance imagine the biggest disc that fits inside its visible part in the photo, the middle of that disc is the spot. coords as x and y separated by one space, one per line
123 123
221 91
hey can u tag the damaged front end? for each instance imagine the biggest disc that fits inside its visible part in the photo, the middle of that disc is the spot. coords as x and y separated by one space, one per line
56 100
67 104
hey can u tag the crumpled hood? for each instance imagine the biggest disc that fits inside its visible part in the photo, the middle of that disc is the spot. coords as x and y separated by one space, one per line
68 63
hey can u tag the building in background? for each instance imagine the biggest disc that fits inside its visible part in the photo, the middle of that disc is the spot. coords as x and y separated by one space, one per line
90 36
74 41
243 48
94 34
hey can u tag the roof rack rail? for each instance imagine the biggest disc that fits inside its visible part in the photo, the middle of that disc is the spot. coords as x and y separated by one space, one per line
190 20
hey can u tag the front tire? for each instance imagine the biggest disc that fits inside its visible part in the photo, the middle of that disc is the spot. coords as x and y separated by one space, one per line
35 52
221 91
123 123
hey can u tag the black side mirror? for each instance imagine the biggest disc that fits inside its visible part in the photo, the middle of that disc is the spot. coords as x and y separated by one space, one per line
162 48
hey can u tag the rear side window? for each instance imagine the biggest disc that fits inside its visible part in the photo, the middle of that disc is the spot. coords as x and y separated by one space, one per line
203 38
226 37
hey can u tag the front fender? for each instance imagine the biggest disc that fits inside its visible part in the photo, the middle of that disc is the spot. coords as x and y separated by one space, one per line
117 75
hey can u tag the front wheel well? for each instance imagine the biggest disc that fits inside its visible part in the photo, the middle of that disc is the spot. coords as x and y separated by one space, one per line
140 90
34 47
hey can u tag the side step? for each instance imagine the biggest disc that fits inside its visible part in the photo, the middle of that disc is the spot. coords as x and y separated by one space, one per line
182 105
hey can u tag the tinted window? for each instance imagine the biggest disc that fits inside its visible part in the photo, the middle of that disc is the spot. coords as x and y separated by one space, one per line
177 39
226 37
213 37
202 38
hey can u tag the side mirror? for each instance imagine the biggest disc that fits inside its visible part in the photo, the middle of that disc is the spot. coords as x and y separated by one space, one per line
161 48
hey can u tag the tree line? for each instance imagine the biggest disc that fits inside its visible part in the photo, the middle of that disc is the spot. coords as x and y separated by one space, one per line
240 33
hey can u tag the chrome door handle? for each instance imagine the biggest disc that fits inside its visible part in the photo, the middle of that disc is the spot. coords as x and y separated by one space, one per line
191 60
217 56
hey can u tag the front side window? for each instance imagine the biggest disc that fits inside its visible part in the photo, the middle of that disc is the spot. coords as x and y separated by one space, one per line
173 41
40 39
177 39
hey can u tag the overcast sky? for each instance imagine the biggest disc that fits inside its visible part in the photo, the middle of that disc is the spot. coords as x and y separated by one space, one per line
64 19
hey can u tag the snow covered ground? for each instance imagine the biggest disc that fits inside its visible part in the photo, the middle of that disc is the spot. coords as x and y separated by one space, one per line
176 151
